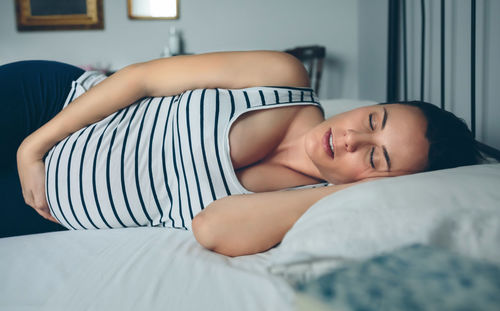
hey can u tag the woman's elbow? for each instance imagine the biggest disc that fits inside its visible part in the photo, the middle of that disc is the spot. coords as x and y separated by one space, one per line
288 70
208 233
202 231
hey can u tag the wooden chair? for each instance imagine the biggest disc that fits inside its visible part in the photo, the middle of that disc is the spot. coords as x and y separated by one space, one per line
312 57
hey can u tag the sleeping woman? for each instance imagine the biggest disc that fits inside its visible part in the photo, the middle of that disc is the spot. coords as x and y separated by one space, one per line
233 146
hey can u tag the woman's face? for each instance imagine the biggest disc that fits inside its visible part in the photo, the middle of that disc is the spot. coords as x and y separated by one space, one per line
368 142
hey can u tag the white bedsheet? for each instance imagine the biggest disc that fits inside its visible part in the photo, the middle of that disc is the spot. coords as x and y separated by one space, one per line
132 269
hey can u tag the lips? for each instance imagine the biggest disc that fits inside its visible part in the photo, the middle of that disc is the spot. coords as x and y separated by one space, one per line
328 145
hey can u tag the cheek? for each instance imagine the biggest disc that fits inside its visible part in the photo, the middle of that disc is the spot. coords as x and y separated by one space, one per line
346 169
354 173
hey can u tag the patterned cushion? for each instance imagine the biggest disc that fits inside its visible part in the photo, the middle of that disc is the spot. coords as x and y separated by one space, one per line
411 278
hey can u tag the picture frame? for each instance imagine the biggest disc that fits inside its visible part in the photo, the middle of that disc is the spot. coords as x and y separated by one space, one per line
59 15
153 9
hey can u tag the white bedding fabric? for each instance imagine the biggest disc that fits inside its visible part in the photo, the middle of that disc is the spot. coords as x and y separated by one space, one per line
132 269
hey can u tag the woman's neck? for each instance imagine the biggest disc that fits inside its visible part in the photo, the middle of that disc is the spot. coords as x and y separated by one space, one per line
292 155
291 152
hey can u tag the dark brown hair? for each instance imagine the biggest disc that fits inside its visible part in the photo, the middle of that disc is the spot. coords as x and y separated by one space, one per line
451 143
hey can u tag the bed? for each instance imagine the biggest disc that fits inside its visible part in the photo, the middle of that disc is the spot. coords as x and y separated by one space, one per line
429 241
344 244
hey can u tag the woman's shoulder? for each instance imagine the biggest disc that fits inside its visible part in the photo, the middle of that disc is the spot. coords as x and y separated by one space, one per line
259 134
256 133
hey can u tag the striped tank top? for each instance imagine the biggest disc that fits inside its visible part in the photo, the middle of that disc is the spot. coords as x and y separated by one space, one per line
157 162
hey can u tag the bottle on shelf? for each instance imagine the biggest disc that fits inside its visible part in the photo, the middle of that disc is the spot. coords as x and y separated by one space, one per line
174 41
174 44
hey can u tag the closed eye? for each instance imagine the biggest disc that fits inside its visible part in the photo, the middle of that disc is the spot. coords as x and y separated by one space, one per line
371 121
371 158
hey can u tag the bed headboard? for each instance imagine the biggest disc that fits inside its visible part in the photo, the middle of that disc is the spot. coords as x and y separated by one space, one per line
400 68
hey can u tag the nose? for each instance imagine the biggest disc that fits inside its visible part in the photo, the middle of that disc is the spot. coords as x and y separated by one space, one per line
354 139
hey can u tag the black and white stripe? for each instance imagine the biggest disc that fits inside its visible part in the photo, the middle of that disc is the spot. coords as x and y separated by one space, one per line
158 162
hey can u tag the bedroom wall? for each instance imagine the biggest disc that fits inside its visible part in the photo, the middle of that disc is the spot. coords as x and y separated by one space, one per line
206 26
372 53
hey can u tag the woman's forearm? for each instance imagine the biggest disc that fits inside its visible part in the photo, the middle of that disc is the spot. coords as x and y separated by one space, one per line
247 224
114 93
166 77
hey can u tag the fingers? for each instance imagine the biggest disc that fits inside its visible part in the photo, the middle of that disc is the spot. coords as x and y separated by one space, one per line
28 198
51 218
43 209
39 204
42 205
45 213
32 178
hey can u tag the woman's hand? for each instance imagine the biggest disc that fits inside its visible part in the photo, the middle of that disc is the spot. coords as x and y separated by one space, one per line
31 170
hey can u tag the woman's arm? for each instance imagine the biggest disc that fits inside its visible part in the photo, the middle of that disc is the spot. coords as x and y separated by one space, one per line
169 76
166 77
252 223
162 77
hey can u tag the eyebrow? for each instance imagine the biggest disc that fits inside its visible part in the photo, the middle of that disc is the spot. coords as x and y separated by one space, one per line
384 119
386 154
387 159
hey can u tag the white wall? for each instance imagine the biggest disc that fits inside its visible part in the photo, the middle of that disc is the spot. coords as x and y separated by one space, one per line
207 26
372 38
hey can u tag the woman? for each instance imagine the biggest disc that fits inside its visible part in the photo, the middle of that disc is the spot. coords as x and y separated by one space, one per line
101 163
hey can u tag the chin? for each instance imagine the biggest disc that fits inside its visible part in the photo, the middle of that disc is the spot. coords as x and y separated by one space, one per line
340 181
334 181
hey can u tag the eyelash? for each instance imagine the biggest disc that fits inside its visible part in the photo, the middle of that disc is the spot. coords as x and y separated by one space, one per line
371 157
370 117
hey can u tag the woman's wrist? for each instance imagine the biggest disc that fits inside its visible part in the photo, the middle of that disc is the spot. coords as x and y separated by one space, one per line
28 150
36 145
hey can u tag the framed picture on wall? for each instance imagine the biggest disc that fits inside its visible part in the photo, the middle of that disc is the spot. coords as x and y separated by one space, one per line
57 15
153 9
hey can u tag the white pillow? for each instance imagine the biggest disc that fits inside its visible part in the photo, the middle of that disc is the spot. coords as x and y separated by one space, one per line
457 209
